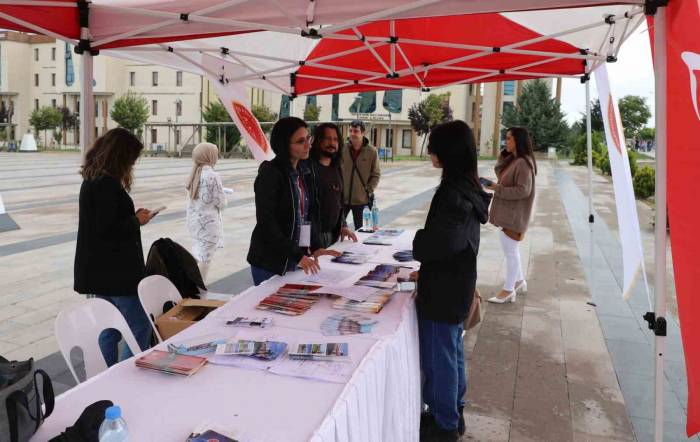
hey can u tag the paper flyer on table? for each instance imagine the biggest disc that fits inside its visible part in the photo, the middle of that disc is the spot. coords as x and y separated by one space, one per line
355 292
330 277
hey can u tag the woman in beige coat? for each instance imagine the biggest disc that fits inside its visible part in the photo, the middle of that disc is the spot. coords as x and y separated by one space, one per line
511 207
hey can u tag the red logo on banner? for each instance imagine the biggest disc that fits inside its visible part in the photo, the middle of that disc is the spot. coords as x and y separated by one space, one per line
614 130
250 124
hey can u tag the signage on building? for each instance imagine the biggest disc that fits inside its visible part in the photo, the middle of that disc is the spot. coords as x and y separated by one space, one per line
366 117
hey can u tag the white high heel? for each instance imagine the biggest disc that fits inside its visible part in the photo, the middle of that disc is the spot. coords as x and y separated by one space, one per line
509 298
522 287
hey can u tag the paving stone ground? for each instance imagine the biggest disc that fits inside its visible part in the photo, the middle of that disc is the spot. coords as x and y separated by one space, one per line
546 368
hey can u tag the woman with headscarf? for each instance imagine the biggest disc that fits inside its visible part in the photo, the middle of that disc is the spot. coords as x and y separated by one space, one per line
206 200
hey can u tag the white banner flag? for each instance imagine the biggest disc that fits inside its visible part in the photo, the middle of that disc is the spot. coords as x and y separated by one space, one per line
234 97
626 205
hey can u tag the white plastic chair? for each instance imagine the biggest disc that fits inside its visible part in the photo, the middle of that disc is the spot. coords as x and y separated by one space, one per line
154 292
80 325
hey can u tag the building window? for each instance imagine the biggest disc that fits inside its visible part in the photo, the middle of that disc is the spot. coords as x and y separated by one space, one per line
36 104
53 102
373 136
177 137
178 108
392 101
406 138
132 78
36 54
53 54
36 79
154 135
53 79
97 109
178 78
154 107
509 87
364 103
154 77
389 138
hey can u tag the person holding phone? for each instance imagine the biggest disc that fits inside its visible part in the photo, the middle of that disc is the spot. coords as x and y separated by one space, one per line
287 210
205 204
511 209
109 260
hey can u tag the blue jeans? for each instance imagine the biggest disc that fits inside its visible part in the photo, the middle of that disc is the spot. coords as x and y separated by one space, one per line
130 307
442 365
260 275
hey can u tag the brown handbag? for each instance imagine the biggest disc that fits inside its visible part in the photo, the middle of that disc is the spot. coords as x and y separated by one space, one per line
512 234
474 316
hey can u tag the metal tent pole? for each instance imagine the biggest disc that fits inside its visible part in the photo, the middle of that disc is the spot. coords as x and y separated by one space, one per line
589 150
660 221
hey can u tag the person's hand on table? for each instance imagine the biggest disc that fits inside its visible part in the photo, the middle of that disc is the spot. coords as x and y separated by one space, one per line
413 276
329 252
144 216
309 265
345 232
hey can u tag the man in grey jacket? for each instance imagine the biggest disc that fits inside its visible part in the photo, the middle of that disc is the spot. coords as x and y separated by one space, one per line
360 168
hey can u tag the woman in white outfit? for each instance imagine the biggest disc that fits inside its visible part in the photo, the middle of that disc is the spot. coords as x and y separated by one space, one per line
204 206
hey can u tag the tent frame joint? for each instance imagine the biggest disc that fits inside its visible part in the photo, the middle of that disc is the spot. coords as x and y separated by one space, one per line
610 19
393 39
224 50
656 324
611 59
311 33
585 78
185 17
650 6
392 75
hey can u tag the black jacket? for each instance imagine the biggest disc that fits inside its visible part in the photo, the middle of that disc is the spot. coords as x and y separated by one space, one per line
108 253
331 226
447 249
170 259
272 245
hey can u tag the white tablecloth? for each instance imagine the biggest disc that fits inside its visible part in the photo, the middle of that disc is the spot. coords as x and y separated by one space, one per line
380 402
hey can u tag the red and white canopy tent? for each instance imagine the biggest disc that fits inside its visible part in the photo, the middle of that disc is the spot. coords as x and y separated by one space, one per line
308 47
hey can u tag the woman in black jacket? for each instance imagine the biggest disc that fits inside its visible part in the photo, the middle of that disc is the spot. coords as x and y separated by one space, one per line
447 248
108 255
286 235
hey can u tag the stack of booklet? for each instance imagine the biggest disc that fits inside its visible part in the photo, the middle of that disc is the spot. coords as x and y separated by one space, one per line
171 363
320 352
268 350
383 237
291 299
382 276
347 324
353 257
373 304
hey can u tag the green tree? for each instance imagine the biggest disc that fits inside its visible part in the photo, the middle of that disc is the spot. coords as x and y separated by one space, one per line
580 148
647 133
634 113
540 114
264 115
46 118
130 111
215 112
432 110
312 112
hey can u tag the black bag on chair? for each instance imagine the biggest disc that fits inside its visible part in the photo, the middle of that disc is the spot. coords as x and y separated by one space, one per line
26 399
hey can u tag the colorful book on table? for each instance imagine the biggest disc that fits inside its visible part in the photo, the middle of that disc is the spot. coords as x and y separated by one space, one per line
267 350
171 363
321 352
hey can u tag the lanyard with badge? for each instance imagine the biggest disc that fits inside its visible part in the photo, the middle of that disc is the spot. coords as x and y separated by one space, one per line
304 226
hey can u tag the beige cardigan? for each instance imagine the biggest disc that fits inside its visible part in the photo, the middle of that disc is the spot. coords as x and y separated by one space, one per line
514 196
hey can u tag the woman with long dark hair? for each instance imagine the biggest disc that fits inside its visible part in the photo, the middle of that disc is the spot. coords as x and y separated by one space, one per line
513 198
286 235
109 260
447 248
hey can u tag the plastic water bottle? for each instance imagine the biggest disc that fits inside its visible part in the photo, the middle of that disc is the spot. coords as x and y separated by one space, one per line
113 428
375 216
366 219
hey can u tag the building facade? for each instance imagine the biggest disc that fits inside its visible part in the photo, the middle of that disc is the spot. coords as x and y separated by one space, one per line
37 71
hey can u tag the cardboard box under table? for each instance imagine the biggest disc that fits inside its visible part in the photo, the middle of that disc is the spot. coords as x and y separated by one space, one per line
186 313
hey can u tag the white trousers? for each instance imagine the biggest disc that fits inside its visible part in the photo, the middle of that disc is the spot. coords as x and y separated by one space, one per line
514 271
203 269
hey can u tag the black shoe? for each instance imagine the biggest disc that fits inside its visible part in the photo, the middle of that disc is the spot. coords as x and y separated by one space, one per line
427 420
461 426
431 432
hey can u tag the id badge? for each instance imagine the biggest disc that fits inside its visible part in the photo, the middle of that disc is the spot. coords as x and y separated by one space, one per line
305 235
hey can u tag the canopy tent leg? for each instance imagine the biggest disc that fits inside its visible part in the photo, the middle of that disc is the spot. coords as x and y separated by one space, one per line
660 221
591 218
87 102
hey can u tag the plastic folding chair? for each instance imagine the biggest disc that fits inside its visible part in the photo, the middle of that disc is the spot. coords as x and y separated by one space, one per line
80 325
154 292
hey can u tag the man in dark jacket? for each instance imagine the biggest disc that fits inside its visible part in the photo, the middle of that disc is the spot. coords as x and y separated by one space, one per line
325 161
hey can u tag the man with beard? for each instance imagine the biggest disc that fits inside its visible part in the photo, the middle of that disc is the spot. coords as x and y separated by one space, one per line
325 160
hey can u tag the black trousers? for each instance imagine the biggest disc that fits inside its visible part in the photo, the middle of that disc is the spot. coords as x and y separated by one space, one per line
356 214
